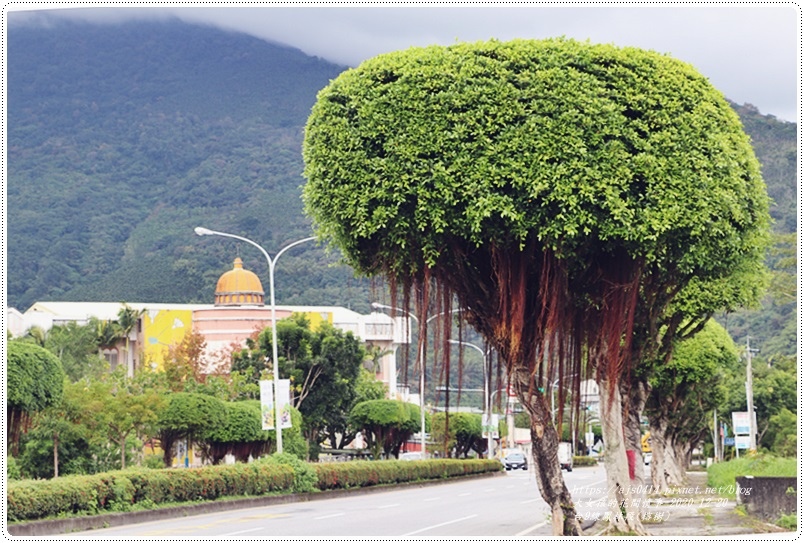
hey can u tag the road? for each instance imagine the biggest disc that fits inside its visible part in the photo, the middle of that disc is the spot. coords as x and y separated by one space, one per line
505 506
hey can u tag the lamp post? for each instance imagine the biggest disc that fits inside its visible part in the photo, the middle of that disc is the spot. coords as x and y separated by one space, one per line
486 395
420 356
271 265
555 408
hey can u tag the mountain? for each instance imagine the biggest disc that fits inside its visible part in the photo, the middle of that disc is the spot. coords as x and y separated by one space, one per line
123 138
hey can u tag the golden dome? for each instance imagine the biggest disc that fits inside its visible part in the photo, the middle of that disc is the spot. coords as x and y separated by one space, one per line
239 287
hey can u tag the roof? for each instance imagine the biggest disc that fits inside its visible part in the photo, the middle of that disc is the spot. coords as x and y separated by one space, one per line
109 310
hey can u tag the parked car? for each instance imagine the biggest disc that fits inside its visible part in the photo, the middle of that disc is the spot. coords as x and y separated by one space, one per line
648 458
515 460
411 456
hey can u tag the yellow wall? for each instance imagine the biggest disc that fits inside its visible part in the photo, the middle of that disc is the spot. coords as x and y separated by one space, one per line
316 318
162 328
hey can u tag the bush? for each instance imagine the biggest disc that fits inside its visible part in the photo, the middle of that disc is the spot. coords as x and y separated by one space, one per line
789 522
123 490
368 473
305 478
580 461
12 469
723 474
152 461
140 488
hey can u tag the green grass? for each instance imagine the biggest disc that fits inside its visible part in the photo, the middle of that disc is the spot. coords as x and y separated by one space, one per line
789 522
722 475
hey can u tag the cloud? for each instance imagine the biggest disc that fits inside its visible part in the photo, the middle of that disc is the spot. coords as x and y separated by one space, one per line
750 52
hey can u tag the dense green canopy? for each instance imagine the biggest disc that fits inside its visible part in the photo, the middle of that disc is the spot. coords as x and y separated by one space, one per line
588 148
34 381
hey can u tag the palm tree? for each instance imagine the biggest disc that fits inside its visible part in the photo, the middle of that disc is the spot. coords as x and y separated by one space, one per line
127 319
374 356
107 334
36 334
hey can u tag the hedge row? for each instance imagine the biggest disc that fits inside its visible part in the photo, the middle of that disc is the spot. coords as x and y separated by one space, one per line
579 461
367 473
145 488
120 490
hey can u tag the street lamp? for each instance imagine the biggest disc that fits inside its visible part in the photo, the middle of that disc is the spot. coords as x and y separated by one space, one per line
271 265
486 395
420 355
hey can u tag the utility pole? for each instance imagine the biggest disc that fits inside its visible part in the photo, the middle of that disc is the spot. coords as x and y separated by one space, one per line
715 435
749 395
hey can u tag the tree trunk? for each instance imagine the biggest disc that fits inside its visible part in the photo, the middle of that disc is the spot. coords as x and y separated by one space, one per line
123 452
634 398
624 514
665 470
55 455
544 444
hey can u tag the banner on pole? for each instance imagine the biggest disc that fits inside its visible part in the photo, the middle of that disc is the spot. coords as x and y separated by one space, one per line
283 400
267 404
490 425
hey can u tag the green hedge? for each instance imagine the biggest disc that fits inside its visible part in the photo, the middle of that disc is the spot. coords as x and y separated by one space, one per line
368 473
579 461
142 488
123 490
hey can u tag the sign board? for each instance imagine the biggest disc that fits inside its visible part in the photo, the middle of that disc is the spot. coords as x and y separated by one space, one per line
728 441
741 422
742 442
267 403
492 426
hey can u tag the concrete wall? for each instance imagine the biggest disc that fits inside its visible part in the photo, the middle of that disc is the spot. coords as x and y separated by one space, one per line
768 497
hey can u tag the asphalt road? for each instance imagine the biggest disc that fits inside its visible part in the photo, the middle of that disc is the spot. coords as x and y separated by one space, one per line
505 506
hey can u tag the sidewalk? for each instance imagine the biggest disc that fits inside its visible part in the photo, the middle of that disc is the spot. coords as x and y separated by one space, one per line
694 513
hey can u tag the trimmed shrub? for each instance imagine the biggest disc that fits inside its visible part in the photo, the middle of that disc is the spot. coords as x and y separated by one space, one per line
368 473
123 490
305 478
144 488
13 472
580 461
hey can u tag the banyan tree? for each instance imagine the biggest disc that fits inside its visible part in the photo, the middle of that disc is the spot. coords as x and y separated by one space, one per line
547 186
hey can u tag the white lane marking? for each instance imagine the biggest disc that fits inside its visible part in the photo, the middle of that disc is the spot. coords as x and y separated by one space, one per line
431 499
531 501
240 532
465 493
529 530
387 506
330 516
438 525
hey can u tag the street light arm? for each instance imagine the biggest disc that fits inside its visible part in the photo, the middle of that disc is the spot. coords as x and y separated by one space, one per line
377 305
201 231
475 347
285 248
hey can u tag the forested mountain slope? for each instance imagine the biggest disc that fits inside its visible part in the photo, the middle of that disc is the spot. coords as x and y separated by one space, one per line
122 138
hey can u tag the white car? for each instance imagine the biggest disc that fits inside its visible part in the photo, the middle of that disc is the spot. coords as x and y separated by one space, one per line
648 458
411 456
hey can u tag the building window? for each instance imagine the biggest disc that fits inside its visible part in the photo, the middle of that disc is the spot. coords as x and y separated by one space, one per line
111 358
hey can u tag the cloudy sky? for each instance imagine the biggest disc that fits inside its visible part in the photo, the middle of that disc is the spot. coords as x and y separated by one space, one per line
749 51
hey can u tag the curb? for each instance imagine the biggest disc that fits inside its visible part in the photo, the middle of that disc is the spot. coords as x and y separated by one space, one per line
108 520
